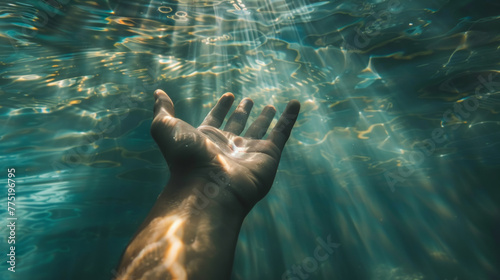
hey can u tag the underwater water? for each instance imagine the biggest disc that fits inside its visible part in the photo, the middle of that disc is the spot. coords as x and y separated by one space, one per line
395 157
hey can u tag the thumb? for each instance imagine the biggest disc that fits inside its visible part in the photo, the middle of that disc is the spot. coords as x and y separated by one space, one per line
163 105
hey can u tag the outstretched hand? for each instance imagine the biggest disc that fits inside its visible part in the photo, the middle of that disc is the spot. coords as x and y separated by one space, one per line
230 173
249 162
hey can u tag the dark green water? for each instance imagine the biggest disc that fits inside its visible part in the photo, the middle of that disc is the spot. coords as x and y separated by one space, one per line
395 157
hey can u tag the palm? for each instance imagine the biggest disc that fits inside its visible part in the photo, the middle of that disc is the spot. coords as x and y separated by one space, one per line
249 162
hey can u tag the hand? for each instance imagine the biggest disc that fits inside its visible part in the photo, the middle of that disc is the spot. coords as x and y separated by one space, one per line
249 163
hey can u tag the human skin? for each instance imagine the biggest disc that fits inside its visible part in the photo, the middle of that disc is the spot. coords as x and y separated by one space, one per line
216 178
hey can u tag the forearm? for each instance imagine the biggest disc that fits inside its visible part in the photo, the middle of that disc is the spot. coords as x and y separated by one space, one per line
181 240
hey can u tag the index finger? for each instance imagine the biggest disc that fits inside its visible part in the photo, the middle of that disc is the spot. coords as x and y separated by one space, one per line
281 132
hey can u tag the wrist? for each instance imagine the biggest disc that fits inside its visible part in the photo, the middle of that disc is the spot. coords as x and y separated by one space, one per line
207 192
209 229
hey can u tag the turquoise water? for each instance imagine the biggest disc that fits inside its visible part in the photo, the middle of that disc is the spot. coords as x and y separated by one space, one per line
395 157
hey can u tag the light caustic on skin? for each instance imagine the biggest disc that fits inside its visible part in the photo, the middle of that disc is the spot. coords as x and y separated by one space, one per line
235 152
165 244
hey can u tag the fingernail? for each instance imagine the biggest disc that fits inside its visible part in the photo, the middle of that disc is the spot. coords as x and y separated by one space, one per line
247 102
270 109
228 94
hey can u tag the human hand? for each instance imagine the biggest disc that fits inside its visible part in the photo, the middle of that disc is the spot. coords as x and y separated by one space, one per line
249 162
172 242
